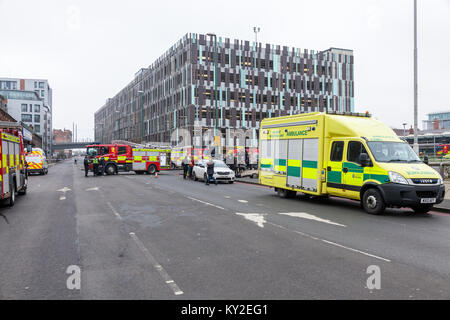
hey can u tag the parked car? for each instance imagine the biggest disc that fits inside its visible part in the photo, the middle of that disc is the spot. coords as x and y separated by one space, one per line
221 171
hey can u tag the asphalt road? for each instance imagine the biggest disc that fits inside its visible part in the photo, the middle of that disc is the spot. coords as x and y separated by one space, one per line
141 237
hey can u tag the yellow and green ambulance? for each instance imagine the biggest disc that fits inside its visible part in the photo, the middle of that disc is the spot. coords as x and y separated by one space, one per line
348 155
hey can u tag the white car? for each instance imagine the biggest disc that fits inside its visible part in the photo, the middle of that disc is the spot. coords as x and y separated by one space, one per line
221 171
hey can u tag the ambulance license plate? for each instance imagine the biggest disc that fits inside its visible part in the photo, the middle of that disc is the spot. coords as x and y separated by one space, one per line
428 200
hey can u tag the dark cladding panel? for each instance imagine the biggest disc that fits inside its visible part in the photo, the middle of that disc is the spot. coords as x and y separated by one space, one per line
201 95
261 81
233 58
247 98
298 84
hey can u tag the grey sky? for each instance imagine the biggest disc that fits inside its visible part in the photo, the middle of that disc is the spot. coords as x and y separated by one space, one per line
89 50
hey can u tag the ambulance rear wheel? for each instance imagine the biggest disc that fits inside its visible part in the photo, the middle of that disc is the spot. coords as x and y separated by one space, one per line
151 169
110 170
373 202
286 193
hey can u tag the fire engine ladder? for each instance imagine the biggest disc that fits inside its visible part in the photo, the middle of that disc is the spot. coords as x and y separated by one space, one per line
141 146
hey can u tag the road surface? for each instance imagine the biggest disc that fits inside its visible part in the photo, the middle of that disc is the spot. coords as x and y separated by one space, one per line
141 237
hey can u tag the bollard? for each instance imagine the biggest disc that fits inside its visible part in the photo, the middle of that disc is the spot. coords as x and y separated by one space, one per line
441 170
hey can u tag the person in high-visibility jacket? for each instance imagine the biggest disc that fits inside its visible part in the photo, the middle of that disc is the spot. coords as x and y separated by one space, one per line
95 165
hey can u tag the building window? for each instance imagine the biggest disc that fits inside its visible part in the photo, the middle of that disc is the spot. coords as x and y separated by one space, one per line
37 118
27 118
37 108
24 107
35 84
42 93
31 108
37 128
41 85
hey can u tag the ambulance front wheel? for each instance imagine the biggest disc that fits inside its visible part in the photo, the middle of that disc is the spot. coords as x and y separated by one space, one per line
373 201
422 208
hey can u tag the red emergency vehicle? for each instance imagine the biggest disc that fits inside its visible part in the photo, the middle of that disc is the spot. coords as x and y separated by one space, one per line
13 172
121 157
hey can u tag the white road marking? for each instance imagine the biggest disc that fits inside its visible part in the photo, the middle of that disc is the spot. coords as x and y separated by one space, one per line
305 215
207 203
330 242
257 218
62 198
172 285
65 189
92 189
114 211
228 197
243 201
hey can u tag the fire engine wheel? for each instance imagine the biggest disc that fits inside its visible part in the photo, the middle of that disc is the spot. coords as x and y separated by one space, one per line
12 198
373 202
110 170
151 169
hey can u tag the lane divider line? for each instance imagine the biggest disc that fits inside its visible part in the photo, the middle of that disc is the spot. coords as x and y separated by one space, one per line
114 211
172 285
207 203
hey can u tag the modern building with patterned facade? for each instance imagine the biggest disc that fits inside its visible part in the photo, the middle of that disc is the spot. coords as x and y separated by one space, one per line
241 82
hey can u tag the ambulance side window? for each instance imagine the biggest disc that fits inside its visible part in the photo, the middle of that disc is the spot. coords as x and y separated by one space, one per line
337 150
355 148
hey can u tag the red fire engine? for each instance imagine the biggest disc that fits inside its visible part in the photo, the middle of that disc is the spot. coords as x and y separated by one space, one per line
13 172
121 157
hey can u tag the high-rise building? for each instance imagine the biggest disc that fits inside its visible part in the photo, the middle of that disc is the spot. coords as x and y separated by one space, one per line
34 90
213 81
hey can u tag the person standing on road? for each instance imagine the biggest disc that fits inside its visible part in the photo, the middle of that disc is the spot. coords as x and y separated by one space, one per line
86 166
102 163
210 172
95 165
185 165
191 169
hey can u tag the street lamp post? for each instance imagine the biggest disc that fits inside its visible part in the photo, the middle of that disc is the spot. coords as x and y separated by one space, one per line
404 129
256 30
416 139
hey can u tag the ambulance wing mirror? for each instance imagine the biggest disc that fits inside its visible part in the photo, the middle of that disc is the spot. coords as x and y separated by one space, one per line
364 159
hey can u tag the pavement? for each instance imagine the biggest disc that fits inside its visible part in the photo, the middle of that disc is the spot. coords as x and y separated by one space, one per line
141 237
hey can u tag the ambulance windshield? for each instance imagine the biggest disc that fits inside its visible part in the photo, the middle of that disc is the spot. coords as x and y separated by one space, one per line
384 151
